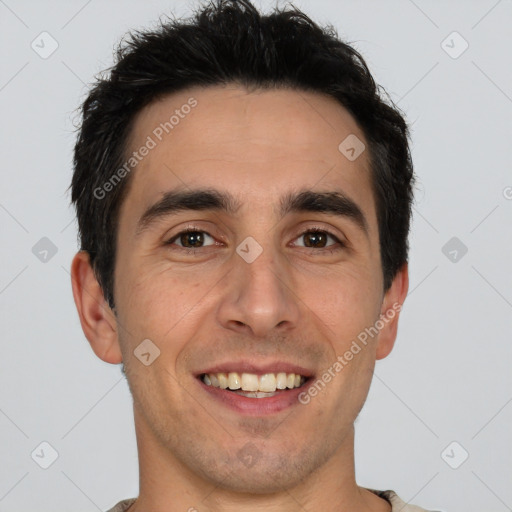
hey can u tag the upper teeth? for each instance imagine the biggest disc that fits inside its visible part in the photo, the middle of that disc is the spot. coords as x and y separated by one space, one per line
251 382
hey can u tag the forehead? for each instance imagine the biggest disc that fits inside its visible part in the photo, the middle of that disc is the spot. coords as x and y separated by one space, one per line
256 145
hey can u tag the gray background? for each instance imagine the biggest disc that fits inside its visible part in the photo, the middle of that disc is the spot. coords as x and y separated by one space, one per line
448 378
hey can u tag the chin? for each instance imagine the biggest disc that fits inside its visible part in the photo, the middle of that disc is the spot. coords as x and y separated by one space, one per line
263 481
268 472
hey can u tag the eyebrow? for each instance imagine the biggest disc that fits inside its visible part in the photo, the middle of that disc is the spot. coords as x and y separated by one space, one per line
175 201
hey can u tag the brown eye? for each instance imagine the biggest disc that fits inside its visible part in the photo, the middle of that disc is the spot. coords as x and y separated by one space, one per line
317 239
192 239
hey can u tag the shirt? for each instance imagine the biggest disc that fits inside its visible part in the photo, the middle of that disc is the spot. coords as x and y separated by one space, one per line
397 505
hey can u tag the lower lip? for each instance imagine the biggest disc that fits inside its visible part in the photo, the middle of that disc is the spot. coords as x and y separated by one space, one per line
256 406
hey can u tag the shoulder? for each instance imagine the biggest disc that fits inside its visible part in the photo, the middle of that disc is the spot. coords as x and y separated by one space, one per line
122 506
397 504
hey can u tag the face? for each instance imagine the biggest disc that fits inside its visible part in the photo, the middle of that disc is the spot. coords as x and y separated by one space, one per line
279 275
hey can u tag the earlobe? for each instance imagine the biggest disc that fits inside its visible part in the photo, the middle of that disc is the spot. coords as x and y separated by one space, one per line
390 312
97 319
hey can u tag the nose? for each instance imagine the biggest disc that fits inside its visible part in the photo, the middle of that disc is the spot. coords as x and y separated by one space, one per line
259 297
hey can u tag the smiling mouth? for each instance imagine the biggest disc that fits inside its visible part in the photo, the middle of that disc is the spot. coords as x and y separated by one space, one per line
252 385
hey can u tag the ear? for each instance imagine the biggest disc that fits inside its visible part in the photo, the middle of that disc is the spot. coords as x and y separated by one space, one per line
390 311
97 318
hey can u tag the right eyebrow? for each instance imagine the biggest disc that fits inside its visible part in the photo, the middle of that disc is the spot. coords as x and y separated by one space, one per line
174 201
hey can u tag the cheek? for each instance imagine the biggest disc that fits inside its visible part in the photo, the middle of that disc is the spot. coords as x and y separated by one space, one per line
349 306
157 300
345 302
156 304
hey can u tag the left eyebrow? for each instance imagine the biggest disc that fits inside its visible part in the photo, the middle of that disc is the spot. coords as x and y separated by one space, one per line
330 202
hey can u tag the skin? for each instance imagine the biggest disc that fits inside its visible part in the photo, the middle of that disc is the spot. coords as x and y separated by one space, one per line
291 303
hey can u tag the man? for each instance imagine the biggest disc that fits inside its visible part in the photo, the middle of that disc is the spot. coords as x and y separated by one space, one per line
243 196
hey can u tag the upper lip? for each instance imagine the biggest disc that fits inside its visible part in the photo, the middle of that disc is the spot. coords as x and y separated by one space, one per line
245 366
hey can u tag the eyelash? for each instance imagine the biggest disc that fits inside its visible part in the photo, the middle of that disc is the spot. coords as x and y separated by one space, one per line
314 229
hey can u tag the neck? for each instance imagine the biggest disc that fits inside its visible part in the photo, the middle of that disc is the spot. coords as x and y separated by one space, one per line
167 485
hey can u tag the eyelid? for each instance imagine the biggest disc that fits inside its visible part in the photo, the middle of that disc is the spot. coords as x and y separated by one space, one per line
336 233
192 226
